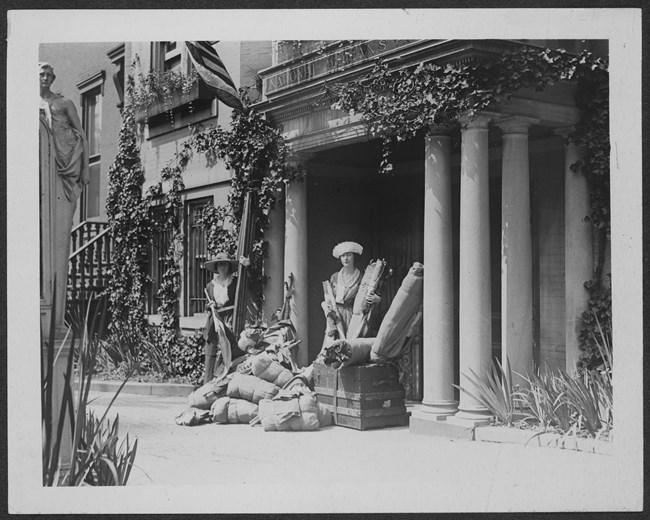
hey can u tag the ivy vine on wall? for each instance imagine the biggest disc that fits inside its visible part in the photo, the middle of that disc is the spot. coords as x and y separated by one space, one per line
256 154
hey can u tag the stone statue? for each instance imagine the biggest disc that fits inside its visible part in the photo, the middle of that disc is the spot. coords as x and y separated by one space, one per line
64 173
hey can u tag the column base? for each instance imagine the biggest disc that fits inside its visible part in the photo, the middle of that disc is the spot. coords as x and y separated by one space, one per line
440 410
470 419
424 423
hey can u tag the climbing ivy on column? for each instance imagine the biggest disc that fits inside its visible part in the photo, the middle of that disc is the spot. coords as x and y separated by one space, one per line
128 216
166 194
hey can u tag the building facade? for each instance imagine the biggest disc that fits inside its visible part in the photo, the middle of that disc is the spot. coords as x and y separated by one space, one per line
492 210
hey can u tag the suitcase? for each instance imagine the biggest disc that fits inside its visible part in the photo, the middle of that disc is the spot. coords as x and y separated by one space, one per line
362 396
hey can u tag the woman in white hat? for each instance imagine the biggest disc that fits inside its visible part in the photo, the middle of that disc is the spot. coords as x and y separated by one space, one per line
221 294
346 281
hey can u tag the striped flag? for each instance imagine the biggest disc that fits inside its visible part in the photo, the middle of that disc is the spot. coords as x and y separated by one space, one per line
212 70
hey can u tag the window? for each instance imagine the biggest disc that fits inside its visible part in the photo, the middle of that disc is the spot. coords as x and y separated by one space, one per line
92 93
157 262
116 55
196 277
170 56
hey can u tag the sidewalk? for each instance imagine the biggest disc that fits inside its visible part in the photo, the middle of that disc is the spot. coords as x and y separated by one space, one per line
391 468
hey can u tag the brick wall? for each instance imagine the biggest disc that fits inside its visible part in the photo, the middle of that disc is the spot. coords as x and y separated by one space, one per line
255 56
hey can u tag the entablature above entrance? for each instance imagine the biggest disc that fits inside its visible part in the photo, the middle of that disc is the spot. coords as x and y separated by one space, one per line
303 109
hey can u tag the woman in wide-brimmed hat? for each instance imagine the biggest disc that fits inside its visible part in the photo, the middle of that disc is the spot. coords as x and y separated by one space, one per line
346 281
221 294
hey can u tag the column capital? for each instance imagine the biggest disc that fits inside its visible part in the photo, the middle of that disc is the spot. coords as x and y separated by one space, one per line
299 157
564 131
439 130
476 119
515 124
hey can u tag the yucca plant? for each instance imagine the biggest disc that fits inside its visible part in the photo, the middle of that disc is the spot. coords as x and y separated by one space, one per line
495 391
94 450
543 396
581 397
135 349
602 378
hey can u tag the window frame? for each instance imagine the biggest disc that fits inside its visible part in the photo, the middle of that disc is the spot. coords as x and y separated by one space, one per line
92 87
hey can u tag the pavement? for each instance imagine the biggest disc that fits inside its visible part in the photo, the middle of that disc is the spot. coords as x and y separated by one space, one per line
338 469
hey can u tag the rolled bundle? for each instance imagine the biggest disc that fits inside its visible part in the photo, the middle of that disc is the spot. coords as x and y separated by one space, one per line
219 410
250 388
298 414
203 397
371 283
344 353
265 367
240 411
400 316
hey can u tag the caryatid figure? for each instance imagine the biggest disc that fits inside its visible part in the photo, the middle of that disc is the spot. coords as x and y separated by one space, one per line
64 164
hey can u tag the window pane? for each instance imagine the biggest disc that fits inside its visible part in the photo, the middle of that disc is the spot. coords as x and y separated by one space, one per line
92 191
92 110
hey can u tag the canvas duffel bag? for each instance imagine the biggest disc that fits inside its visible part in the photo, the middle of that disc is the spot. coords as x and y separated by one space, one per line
297 414
250 388
267 368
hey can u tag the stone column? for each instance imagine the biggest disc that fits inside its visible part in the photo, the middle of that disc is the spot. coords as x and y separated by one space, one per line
295 255
438 318
578 249
516 249
475 309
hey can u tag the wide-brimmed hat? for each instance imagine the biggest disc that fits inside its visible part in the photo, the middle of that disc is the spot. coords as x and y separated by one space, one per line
211 265
346 247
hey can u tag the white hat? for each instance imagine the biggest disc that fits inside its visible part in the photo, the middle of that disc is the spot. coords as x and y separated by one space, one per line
346 247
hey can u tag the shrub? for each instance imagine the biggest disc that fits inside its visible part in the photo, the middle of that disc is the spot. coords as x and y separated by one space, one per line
186 356
596 325
495 391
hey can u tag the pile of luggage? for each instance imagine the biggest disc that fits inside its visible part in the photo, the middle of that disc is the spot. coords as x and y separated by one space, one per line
263 387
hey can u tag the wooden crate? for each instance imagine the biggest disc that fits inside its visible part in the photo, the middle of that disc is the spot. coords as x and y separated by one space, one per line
362 396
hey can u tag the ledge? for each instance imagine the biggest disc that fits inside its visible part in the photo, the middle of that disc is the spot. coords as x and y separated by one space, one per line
505 434
134 387
156 113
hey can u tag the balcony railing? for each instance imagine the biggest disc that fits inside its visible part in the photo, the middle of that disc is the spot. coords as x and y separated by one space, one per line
89 262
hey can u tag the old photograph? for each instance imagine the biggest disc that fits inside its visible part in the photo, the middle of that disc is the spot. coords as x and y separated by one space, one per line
378 265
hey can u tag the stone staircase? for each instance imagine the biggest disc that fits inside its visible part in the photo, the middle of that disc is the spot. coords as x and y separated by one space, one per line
89 264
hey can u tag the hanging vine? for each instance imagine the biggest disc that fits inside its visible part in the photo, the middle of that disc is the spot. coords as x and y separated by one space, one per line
255 153
398 104
166 194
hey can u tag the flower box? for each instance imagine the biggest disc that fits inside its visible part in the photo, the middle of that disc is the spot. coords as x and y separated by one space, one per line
199 96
